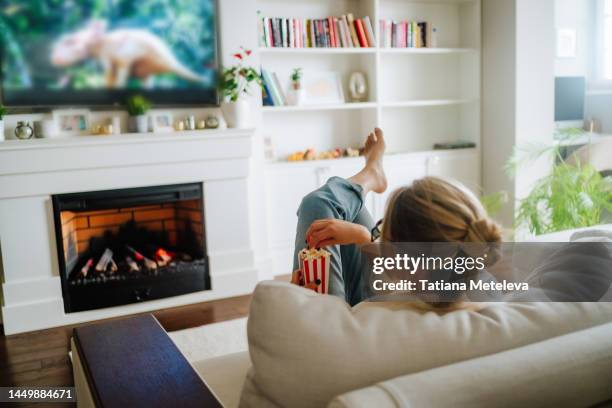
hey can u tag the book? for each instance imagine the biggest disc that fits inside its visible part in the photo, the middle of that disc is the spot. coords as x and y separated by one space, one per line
261 29
332 36
336 33
279 89
347 31
269 83
266 95
369 31
266 31
363 41
283 33
277 33
352 30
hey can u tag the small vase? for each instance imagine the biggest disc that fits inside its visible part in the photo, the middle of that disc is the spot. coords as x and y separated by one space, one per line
1 130
237 114
24 131
296 95
142 123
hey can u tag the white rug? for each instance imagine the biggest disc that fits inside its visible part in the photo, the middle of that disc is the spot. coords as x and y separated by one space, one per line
212 340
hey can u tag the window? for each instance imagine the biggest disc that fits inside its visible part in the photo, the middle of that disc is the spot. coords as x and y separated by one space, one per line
606 31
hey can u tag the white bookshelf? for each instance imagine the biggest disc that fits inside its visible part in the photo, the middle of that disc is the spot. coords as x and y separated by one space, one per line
418 96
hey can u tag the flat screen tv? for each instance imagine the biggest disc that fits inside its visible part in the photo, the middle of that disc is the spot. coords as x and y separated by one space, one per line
99 52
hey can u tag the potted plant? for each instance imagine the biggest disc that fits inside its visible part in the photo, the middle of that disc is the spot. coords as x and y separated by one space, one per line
296 94
572 195
2 113
138 107
234 84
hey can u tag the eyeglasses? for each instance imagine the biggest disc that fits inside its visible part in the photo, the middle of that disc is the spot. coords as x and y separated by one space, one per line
376 232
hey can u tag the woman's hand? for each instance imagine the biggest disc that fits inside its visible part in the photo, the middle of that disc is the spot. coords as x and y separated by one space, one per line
297 278
331 231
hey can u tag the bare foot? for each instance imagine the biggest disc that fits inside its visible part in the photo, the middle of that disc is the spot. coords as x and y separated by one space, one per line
374 151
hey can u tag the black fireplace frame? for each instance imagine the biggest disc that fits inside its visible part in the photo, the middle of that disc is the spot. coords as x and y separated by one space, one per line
127 292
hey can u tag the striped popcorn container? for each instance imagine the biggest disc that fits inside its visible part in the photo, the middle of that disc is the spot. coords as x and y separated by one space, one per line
315 265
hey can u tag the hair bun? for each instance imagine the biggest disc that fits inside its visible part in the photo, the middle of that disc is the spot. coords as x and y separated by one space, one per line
485 230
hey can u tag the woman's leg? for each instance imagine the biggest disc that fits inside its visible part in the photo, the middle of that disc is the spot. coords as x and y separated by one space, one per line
343 199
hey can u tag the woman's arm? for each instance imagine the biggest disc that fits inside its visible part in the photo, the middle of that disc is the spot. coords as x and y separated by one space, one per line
328 232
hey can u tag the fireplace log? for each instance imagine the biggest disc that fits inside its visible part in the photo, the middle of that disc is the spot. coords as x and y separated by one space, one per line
132 264
163 257
112 266
149 264
104 261
85 269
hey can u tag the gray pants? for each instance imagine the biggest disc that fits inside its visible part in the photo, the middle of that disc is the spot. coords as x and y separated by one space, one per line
339 199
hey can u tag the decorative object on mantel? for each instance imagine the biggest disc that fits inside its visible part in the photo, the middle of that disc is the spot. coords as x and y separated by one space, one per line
2 113
72 122
295 96
212 122
38 132
234 83
358 87
138 106
179 125
116 122
103 130
48 129
162 122
201 125
321 88
190 123
311 154
23 131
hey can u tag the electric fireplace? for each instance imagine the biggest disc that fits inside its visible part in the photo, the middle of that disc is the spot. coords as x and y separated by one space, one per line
131 245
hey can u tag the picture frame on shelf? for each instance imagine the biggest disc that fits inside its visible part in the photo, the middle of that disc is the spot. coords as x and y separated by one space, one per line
72 122
322 88
162 122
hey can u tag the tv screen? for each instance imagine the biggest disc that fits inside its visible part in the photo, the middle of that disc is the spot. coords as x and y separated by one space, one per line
99 52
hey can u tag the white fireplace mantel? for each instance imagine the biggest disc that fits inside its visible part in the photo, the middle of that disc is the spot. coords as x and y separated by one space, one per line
31 171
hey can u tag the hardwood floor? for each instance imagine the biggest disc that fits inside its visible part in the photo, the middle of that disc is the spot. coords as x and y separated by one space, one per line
41 357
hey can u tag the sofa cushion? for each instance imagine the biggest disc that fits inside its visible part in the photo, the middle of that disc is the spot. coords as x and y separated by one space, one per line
546 373
225 375
307 348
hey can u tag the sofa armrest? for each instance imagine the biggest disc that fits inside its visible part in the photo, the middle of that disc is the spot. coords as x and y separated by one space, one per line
133 363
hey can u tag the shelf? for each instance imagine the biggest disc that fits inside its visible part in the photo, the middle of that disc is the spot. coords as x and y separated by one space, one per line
427 102
434 51
372 50
304 108
391 156
292 51
124 138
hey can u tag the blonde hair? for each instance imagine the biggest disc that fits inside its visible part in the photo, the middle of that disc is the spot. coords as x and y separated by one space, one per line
435 210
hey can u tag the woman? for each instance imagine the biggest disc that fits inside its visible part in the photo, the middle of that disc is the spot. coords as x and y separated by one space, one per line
429 210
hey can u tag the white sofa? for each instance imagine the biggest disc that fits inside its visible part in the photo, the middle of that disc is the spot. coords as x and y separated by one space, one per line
312 350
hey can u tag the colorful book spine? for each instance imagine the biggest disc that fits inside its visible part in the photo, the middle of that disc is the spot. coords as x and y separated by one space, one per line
353 30
369 31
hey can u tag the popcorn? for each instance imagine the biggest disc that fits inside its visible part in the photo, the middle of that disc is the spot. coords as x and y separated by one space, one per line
315 265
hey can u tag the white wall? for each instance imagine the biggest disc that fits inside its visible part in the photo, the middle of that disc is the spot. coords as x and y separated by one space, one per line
498 98
518 91
535 53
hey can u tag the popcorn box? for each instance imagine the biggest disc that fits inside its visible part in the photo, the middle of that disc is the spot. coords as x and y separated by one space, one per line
315 265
